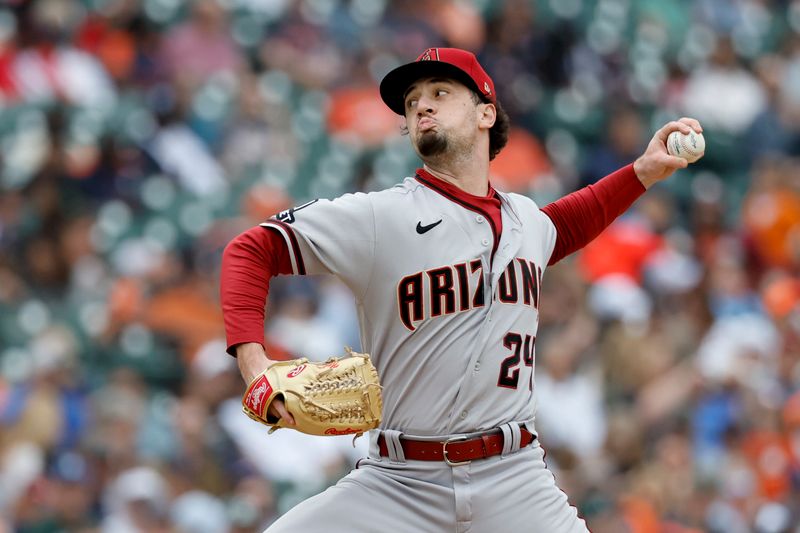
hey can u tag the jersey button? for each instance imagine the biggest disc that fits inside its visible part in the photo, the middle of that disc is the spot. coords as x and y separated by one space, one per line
463 414
485 242
479 219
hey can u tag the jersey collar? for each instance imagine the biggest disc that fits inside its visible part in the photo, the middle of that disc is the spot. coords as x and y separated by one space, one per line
481 203
488 206
494 200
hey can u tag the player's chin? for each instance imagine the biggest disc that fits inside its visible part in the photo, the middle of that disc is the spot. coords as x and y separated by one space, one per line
431 143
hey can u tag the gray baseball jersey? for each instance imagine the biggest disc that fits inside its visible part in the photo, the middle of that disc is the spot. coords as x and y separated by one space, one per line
449 311
451 326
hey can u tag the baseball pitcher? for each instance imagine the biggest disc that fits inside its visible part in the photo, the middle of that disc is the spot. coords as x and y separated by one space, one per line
446 272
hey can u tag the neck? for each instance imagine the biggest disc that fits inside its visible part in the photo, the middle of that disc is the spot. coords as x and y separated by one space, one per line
471 176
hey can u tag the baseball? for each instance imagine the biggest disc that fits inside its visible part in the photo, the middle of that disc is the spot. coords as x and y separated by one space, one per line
690 147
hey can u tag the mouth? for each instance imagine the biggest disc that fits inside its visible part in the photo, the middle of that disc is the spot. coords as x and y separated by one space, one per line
426 124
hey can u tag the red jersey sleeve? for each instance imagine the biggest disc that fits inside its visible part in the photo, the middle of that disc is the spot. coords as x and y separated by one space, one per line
582 215
248 263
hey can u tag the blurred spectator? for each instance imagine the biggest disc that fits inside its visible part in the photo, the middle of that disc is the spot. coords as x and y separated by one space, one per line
304 50
48 408
48 68
201 46
72 491
296 325
259 132
771 213
356 115
252 506
724 94
199 512
624 140
137 500
181 152
776 129
521 163
21 465
569 409
623 249
296 460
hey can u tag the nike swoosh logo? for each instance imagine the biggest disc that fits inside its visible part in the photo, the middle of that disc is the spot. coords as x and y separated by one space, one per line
424 229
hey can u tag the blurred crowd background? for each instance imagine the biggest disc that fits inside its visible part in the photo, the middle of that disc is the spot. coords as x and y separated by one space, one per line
137 137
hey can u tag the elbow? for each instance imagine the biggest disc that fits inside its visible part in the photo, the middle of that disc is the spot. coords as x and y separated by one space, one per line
231 248
243 244
230 253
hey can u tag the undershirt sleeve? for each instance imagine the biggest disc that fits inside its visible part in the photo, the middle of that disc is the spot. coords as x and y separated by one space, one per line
582 215
248 263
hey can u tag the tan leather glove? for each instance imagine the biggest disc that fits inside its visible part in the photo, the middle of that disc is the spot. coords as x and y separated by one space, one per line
338 397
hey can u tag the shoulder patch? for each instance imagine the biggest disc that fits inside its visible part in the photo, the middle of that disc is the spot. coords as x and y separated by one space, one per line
287 215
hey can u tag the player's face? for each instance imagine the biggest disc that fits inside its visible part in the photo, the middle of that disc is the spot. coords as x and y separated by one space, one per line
442 116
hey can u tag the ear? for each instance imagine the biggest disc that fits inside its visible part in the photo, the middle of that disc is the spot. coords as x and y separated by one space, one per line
487 114
403 124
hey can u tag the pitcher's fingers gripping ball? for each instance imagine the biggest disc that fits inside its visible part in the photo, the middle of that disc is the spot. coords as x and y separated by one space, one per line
338 397
689 146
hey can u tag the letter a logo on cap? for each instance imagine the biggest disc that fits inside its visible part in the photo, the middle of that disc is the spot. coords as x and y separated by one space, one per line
430 54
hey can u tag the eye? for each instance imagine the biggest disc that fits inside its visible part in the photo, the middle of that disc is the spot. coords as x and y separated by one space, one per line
411 103
441 92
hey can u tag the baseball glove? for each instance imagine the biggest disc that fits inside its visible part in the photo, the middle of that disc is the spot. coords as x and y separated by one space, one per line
338 397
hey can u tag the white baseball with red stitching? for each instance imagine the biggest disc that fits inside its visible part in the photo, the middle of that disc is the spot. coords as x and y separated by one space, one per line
690 147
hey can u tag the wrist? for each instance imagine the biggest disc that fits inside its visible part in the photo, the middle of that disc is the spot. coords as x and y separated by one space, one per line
248 349
252 360
640 169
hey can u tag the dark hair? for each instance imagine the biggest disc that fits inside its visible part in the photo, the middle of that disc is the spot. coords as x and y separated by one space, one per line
498 134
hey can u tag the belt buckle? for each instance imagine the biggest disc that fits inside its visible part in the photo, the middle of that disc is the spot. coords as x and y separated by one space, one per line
444 451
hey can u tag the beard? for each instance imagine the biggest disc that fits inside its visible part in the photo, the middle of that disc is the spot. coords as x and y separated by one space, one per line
432 144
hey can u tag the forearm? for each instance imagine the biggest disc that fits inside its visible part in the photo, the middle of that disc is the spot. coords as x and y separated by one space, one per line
248 263
582 215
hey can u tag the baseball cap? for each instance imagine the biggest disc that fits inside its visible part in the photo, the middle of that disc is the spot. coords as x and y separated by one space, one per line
453 63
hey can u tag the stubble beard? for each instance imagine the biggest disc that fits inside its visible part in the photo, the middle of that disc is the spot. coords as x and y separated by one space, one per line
441 150
432 144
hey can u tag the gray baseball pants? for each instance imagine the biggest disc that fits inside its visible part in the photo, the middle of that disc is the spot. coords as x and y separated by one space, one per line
513 492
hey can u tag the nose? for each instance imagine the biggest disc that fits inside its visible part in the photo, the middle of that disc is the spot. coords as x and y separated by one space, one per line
425 105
